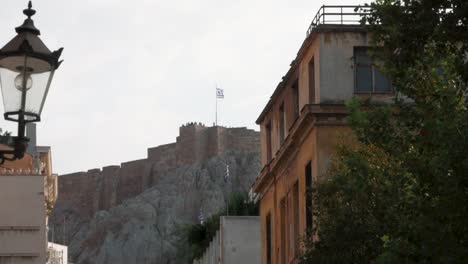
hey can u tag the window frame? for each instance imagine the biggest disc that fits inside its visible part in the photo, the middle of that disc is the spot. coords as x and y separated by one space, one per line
282 124
373 68
283 229
268 238
308 199
269 147
295 98
311 71
295 220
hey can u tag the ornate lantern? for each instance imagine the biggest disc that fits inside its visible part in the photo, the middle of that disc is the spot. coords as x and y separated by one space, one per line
27 67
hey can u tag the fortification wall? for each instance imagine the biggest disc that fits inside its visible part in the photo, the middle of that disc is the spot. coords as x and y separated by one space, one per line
131 176
242 139
78 191
88 192
209 143
108 196
160 159
185 144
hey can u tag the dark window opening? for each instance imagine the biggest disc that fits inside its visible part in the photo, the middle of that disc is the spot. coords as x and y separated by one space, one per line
368 78
282 123
308 183
268 142
290 210
268 238
311 81
283 230
295 206
295 95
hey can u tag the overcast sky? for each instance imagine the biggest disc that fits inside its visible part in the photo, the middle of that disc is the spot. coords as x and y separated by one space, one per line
135 70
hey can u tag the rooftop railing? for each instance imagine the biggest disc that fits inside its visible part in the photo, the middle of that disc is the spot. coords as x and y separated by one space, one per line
338 15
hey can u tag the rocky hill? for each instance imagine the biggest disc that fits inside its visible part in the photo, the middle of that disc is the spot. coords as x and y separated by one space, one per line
105 217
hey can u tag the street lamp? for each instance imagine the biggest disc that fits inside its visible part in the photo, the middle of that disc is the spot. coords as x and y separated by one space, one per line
27 67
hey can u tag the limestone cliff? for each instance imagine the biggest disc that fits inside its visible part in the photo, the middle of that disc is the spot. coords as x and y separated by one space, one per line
131 213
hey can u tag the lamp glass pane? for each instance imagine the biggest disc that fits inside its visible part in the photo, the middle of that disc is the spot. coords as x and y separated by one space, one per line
11 95
30 75
36 95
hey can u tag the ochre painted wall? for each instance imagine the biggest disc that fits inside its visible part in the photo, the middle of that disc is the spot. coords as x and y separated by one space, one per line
317 147
310 137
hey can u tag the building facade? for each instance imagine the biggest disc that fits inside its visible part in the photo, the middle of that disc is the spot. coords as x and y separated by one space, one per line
304 121
57 254
28 191
238 240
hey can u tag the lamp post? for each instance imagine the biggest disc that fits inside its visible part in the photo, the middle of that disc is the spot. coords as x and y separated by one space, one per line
27 67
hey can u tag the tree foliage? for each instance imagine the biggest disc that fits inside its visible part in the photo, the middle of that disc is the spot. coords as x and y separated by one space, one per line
400 194
199 235
5 137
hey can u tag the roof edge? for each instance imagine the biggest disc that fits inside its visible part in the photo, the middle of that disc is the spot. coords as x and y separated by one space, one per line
323 28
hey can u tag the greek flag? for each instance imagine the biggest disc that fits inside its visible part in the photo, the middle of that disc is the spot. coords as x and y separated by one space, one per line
201 217
219 93
226 175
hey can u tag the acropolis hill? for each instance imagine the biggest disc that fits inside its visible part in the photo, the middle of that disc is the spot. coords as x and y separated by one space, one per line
100 189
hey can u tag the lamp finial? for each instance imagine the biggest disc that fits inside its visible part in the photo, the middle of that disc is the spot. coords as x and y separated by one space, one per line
29 12
28 24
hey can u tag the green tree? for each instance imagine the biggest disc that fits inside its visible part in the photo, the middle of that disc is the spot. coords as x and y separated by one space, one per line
400 194
5 137
199 236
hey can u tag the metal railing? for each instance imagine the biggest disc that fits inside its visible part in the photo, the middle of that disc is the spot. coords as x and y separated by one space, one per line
338 15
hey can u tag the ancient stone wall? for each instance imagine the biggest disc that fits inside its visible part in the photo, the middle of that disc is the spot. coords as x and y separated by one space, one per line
131 176
94 190
78 191
190 143
242 139
108 196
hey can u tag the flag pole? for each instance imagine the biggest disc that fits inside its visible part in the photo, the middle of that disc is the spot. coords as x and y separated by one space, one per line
216 112
230 194
216 98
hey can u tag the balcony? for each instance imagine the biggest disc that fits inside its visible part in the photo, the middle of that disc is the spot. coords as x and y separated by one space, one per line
338 15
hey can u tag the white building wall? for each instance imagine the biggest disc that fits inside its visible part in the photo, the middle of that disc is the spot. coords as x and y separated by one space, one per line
58 254
217 248
23 219
237 241
241 237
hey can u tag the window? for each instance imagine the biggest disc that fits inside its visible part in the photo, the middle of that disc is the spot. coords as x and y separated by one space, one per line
368 78
268 238
311 81
295 220
268 141
308 183
295 97
283 230
290 231
282 123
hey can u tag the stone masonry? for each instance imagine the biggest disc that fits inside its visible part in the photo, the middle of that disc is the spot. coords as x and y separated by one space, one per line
96 189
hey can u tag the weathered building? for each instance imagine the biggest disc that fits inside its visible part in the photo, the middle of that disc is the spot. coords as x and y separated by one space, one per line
238 240
305 119
28 191
58 254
